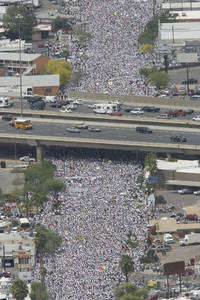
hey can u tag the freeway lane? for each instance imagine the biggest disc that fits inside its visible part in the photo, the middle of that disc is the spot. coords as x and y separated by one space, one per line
108 133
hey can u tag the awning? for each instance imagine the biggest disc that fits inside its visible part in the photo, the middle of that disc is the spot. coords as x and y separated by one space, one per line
183 183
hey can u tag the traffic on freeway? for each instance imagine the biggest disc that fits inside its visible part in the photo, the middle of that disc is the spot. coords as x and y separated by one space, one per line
135 133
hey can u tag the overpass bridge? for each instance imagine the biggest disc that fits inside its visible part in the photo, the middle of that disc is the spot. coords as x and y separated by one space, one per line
40 142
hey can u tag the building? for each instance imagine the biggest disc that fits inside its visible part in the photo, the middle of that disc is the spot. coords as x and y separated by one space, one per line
180 6
17 250
180 173
30 63
178 32
40 84
187 15
171 226
41 31
6 45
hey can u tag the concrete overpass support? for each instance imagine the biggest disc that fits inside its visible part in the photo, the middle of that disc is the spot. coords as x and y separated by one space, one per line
39 153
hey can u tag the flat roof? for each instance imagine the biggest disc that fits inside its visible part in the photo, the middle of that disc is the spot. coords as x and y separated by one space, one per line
34 81
186 14
178 165
183 183
180 31
27 57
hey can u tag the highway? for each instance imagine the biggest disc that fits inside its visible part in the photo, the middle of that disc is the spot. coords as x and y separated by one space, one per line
111 132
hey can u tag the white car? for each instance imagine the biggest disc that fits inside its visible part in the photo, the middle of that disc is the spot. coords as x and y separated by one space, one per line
196 192
27 158
78 101
137 111
197 118
65 110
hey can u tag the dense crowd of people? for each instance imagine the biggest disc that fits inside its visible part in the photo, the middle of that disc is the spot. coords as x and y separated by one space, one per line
111 59
101 205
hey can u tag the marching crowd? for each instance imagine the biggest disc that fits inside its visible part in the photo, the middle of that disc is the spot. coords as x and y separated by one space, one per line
111 59
101 206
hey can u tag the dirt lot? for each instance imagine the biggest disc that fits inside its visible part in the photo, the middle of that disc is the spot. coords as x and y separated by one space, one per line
7 178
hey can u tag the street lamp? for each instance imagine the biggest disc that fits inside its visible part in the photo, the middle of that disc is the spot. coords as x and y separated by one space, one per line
19 17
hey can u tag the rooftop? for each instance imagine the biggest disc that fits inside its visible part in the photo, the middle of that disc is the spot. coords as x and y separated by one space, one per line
34 81
170 226
183 183
26 57
179 165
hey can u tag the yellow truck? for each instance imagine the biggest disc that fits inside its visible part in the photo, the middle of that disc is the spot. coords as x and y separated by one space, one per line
22 124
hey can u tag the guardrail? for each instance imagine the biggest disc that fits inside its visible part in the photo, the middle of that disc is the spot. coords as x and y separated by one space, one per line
102 118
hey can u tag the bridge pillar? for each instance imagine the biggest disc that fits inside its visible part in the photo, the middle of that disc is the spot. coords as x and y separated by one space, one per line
39 153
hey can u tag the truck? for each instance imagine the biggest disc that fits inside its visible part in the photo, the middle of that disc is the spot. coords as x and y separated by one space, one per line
190 239
106 108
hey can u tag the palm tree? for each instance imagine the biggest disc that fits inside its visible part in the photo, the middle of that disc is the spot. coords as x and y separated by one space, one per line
19 289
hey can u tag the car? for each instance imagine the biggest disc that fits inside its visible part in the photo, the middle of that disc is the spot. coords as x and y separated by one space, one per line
197 118
196 192
27 158
60 104
40 45
137 111
192 217
144 129
165 116
77 101
115 114
8 117
189 271
128 109
190 81
73 130
81 126
185 191
150 109
65 110
178 139
94 129
188 111
37 105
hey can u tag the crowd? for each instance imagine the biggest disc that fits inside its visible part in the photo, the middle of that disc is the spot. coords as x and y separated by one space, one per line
111 60
101 204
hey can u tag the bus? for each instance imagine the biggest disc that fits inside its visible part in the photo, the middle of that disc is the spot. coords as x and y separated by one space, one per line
22 124
24 224
195 97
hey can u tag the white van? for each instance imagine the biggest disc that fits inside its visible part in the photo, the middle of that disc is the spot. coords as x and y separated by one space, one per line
105 108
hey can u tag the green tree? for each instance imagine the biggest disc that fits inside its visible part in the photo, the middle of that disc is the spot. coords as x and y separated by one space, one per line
126 264
46 241
151 163
38 291
19 289
60 23
147 71
65 53
82 37
55 186
61 67
159 79
127 291
11 23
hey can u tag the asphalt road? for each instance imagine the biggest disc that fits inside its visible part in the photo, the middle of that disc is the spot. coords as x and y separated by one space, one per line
107 133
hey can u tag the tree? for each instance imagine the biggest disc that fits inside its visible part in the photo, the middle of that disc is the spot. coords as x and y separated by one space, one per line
55 186
60 23
38 291
65 53
159 79
127 291
46 241
82 37
19 289
151 163
147 71
126 264
61 67
11 23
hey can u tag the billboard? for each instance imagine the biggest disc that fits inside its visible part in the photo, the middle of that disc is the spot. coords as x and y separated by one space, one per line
177 267
21 254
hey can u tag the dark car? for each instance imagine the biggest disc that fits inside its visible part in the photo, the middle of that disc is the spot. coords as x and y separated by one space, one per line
171 113
37 105
8 117
190 81
60 104
188 111
150 109
115 114
144 129
128 109
178 139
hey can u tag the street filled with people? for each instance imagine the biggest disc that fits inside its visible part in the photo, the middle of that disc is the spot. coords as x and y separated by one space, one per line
111 58
101 205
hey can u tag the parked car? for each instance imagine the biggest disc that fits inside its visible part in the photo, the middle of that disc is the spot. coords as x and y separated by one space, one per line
81 126
196 192
178 139
165 116
188 111
144 129
60 104
192 217
27 158
197 118
115 114
37 105
128 109
150 109
137 111
171 113
185 191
